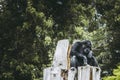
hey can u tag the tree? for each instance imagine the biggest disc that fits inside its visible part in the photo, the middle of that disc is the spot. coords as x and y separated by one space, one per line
107 9
25 41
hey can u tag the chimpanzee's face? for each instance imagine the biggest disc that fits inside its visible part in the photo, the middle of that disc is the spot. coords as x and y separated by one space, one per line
87 44
86 47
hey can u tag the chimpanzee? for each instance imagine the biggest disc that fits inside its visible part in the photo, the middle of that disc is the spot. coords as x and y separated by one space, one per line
87 51
81 54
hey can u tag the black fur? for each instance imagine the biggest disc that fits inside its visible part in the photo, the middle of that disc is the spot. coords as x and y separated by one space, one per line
81 54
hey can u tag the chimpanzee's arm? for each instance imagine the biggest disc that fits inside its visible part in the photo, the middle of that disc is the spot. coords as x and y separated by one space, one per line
75 53
94 62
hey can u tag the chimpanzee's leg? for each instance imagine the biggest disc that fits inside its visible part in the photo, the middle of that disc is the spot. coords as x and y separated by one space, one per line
73 62
93 62
84 59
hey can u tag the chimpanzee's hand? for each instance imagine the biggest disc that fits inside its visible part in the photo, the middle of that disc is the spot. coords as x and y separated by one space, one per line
86 51
90 54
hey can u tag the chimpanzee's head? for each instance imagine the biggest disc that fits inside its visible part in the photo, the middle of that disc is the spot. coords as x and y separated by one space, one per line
87 46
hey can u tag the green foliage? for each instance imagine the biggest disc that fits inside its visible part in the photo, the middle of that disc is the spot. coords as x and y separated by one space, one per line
116 75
